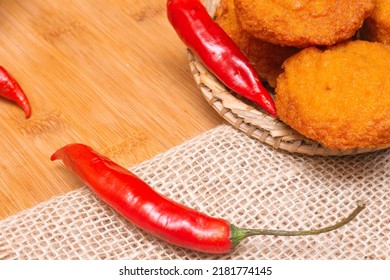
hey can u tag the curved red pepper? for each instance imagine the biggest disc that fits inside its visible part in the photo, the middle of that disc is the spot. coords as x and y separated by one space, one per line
217 51
156 214
10 89
139 203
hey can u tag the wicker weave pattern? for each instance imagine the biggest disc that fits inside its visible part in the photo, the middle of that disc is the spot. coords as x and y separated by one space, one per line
251 119
223 173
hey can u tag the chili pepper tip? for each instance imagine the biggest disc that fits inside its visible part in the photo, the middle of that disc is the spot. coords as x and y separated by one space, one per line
27 112
56 155
20 98
10 89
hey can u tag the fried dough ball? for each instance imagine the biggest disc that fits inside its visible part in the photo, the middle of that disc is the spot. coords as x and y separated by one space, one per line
377 26
302 23
339 97
266 58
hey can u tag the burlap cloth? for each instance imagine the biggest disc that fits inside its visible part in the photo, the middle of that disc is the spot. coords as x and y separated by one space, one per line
224 173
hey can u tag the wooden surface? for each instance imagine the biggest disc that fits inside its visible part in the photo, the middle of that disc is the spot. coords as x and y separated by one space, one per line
111 74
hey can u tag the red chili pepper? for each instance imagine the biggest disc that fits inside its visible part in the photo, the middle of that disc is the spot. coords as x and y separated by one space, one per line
217 51
10 89
158 215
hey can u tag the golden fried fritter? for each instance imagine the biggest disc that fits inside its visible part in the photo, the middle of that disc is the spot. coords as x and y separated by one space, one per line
339 97
377 26
302 23
266 58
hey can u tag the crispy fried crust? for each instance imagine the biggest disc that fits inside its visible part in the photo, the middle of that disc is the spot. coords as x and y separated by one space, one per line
302 23
339 97
377 26
266 58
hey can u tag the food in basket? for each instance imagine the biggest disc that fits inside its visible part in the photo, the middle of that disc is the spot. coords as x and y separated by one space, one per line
339 97
302 23
327 135
266 58
377 25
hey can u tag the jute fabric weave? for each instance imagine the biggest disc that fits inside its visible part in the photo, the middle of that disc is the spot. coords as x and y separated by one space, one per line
224 173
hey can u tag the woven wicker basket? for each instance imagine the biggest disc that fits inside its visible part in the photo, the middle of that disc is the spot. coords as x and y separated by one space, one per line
247 117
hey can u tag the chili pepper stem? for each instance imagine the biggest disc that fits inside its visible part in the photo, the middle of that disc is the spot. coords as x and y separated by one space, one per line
239 234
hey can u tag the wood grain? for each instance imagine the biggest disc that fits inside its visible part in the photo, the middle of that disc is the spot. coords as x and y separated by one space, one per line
111 74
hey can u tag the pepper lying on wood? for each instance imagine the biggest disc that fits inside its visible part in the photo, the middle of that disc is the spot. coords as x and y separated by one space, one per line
10 89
